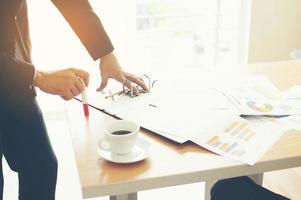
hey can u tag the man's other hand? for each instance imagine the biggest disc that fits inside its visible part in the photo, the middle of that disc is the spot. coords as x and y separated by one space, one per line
110 68
66 83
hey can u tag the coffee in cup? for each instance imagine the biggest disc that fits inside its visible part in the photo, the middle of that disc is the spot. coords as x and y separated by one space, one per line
120 136
121 132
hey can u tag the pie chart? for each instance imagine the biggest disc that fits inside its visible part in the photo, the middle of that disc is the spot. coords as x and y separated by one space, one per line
264 107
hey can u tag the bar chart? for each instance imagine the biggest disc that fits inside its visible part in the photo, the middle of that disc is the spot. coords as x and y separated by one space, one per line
233 138
240 130
225 147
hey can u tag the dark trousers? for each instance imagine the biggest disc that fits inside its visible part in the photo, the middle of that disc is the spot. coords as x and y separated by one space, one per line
26 147
242 188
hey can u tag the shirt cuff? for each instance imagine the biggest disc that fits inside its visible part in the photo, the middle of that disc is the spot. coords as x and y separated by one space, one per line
34 75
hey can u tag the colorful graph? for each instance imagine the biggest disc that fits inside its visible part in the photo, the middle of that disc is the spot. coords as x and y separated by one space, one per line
238 153
243 133
236 127
225 147
232 126
240 130
214 141
250 135
265 107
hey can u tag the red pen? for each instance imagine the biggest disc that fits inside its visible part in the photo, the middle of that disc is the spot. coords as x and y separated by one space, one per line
85 102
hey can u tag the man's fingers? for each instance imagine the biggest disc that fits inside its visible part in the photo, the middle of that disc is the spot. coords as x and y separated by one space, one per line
67 96
130 86
136 80
127 82
82 74
79 85
104 83
75 92
63 97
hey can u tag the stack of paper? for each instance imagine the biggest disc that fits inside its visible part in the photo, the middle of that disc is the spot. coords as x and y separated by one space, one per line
258 96
212 116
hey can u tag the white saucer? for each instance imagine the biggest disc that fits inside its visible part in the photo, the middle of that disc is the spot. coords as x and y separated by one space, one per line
138 153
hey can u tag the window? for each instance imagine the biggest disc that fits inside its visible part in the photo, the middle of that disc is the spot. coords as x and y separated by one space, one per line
165 34
190 33
148 33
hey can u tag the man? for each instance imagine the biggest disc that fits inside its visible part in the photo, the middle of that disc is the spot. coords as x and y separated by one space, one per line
23 136
242 188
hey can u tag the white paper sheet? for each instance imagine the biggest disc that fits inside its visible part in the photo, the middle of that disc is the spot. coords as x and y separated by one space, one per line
258 96
241 139
293 96
292 122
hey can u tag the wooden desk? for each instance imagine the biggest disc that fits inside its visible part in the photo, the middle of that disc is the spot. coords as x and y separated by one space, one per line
171 164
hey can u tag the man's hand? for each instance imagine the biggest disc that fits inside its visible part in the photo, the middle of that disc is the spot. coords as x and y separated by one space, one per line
110 68
65 83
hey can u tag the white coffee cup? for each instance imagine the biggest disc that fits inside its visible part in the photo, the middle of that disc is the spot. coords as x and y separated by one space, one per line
117 142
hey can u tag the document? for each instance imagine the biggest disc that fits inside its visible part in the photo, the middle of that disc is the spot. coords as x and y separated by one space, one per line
242 139
176 111
209 115
258 96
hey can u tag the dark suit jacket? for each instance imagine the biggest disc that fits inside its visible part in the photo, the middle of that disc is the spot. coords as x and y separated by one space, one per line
16 75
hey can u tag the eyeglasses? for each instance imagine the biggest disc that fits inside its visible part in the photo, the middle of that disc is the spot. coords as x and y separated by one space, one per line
130 91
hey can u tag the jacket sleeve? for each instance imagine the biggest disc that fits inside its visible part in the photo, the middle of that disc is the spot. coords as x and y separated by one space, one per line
86 24
15 81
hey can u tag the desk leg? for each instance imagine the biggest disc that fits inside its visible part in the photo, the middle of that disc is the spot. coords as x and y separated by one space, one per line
208 186
132 196
257 178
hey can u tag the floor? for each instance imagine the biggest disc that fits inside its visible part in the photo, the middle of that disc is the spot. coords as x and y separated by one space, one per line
285 182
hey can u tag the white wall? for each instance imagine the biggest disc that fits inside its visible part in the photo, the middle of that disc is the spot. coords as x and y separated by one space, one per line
275 29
